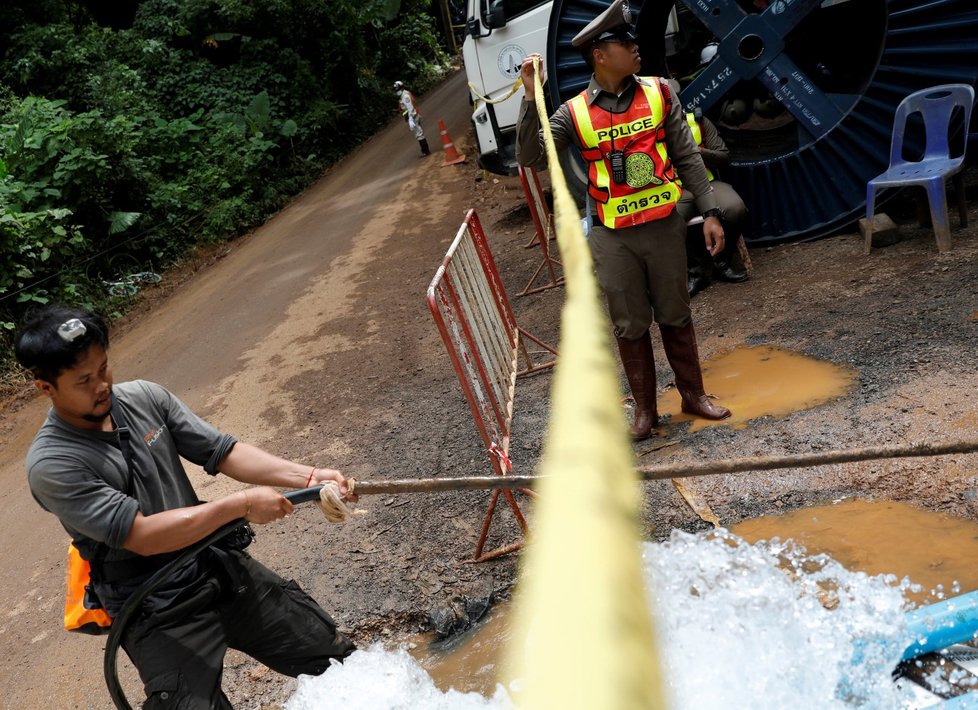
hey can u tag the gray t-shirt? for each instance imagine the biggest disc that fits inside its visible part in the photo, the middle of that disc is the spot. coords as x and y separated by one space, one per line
81 475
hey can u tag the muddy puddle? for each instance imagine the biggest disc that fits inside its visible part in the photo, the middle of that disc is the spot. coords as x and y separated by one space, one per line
764 381
468 663
935 552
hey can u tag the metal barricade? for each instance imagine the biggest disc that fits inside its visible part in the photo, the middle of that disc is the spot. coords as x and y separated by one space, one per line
485 344
543 224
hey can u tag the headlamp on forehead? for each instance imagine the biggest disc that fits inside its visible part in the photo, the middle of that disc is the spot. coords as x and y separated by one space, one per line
71 330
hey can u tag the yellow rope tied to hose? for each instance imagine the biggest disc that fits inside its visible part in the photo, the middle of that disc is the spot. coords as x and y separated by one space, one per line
584 636
332 504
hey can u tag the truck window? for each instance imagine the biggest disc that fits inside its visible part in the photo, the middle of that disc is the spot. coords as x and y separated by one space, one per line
512 8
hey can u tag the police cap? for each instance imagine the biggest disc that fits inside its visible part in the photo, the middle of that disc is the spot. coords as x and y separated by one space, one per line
612 25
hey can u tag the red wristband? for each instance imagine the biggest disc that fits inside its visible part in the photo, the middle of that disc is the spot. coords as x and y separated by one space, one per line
311 474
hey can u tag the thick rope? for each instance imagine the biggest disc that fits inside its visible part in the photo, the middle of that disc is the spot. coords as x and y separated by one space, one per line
768 463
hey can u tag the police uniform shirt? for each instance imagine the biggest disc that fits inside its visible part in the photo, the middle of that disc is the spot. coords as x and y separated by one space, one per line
716 154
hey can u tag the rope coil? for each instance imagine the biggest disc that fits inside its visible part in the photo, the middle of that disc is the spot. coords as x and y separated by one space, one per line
332 504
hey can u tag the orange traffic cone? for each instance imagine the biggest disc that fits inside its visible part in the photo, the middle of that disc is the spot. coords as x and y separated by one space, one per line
452 156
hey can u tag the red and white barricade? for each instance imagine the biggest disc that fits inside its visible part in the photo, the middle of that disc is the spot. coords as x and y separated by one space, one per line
485 345
543 224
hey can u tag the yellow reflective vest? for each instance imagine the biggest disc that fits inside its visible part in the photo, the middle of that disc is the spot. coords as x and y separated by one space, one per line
697 130
650 190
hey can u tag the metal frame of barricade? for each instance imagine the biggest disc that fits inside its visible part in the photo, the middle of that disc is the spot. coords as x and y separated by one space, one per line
543 223
542 209
485 344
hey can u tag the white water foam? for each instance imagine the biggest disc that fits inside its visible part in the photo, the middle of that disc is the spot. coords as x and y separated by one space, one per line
375 679
767 626
740 626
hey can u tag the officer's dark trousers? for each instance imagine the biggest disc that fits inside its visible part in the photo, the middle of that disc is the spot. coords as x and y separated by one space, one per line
642 272
241 604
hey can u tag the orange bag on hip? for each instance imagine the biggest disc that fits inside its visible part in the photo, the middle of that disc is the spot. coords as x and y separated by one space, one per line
83 610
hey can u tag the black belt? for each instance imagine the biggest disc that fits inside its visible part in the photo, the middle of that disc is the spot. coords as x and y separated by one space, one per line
125 570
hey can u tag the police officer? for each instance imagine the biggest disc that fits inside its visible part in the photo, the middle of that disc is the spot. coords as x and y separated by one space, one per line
411 115
727 265
632 133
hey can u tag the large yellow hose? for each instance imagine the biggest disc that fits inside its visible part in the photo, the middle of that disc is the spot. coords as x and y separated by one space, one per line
584 636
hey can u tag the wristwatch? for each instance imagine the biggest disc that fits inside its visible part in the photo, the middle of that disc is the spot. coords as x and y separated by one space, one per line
714 212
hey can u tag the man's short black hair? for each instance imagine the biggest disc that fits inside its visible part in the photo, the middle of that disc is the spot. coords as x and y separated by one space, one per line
47 353
587 52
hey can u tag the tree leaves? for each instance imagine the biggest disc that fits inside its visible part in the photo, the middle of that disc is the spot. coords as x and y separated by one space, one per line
196 123
121 221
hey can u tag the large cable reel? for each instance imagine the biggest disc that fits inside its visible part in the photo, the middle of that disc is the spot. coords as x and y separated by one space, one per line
802 91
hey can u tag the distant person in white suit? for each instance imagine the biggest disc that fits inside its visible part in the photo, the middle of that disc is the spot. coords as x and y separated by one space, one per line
412 116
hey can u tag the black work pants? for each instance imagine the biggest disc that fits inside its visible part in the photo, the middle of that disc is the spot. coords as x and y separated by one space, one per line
241 604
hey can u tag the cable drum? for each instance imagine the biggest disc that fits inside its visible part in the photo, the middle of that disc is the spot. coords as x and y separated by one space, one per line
802 91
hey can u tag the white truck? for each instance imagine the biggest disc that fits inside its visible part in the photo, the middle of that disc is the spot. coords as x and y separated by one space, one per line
500 34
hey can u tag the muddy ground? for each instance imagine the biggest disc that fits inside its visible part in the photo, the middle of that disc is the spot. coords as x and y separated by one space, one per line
329 355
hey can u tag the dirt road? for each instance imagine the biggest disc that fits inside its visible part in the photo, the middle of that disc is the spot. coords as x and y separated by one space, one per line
304 337
311 337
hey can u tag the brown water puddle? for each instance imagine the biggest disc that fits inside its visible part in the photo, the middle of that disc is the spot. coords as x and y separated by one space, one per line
470 663
764 381
882 537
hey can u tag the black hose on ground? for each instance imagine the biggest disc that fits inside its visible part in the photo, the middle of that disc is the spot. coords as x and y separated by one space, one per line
132 605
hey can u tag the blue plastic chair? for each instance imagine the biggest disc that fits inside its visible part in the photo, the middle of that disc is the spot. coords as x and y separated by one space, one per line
936 105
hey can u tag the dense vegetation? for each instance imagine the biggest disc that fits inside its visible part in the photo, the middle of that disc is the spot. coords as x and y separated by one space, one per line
133 132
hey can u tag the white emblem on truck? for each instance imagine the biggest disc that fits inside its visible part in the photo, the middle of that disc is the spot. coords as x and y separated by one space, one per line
510 60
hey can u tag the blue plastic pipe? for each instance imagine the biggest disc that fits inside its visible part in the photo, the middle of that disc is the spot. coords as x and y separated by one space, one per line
940 625
968 701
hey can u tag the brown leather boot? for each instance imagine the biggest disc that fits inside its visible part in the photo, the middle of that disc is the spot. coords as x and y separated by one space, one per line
684 358
639 364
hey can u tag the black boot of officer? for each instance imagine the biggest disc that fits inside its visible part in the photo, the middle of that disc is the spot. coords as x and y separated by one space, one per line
425 150
726 264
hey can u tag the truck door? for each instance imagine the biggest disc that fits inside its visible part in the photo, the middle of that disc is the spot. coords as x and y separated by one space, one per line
502 33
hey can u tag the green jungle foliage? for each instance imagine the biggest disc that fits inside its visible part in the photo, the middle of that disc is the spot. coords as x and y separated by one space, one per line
133 132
